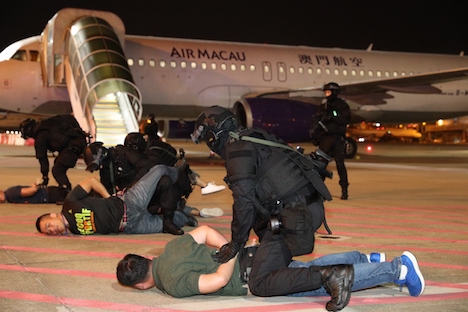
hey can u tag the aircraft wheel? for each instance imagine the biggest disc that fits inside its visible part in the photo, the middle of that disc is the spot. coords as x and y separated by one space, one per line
350 148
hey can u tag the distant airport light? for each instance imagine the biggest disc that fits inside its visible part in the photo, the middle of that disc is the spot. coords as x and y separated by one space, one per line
440 122
369 148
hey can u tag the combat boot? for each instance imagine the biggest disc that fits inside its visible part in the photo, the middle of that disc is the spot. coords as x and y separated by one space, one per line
170 227
338 280
344 192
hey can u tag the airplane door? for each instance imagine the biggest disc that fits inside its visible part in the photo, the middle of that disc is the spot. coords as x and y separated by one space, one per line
281 71
266 71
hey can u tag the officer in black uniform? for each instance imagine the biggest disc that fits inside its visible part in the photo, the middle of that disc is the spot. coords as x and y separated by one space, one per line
329 132
123 165
60 134
279 193
266 176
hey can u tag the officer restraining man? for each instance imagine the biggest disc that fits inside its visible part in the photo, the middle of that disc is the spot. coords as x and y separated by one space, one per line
328 132
279 193
62 134
122 166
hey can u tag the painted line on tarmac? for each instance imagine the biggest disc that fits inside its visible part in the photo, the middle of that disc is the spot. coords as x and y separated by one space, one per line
403 167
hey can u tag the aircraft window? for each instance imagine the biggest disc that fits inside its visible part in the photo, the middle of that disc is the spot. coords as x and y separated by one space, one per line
20 55
395 74
152 63
387 74
379 73
130 62
252 67
203 65
233 67
301 70
162 63
345 72
310 71
193 65
403 73
319 71
353 72
327 71
411 73
361 73
370 73
266 69
34 56
336 72
183 64
223 66
141 62
292 70
213 66
281 69
173 64
242 67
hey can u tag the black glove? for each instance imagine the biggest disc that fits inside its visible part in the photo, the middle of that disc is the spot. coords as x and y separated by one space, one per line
226 252
45 181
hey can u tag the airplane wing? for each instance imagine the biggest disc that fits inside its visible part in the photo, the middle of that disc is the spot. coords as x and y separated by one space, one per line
375 92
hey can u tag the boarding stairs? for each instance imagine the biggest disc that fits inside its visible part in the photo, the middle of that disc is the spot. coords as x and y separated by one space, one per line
88 57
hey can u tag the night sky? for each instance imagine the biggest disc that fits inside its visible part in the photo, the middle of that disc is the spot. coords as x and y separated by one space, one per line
406 26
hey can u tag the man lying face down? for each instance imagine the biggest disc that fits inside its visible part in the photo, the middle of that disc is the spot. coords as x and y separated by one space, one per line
186 268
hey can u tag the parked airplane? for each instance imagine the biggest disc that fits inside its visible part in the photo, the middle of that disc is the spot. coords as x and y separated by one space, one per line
84 62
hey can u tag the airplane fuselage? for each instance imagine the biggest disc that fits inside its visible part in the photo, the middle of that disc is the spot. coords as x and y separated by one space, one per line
178 78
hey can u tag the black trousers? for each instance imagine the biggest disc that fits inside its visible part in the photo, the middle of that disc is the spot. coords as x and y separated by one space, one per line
334 146
165 198
270 274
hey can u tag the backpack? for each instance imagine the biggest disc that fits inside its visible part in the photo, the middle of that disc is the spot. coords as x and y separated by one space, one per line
64 124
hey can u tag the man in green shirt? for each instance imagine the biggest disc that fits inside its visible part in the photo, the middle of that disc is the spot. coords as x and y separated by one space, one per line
186 268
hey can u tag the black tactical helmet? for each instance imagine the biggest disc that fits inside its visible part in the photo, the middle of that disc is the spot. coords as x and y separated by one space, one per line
136 141
333 87
27 128
93 155
213 124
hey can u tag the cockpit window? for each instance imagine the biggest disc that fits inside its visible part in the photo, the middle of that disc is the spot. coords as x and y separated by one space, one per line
34 55
20 55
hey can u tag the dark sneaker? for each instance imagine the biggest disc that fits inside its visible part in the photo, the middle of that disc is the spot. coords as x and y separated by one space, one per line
191 221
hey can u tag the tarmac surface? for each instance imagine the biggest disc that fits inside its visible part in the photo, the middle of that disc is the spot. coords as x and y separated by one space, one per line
402 197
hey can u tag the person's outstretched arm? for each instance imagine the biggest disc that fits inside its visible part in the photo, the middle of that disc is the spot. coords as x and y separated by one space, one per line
93 184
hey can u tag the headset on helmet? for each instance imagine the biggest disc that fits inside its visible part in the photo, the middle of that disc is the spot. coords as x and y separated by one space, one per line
93 155
136 141
27 128
211 123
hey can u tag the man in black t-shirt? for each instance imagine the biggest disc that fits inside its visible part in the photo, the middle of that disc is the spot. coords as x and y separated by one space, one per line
85 214
34 194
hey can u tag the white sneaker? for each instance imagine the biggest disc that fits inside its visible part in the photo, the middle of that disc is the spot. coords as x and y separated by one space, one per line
211 187
211 212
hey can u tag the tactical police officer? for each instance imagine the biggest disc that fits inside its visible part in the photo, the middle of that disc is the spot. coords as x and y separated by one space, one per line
329 132
267 177
60 134
123 165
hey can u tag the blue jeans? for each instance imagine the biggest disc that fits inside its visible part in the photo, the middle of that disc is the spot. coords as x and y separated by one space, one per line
366 275
137 198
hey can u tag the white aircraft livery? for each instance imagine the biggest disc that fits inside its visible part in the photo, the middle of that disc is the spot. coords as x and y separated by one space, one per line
84 63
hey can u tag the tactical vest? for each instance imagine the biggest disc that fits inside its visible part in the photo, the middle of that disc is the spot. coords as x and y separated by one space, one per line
279 170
